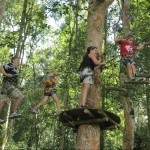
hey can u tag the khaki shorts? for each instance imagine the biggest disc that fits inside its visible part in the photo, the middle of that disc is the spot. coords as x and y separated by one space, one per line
86 76
10 92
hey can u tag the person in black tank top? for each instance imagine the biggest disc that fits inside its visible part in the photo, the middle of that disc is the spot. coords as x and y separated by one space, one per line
86 70
10 90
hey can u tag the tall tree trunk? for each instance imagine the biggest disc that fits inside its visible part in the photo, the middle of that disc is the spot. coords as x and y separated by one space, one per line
5 139
24 26
2 9
125 15
148 108
88 136
128 142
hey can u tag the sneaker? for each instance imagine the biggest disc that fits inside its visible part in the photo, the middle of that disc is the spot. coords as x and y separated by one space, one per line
81 106
2 121
138 79
14 115
58 113
131 79
35 110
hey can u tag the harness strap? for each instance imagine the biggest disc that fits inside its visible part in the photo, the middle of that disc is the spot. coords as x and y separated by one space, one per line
83 77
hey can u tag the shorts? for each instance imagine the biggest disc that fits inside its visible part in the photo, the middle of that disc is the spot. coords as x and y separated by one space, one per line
86 76
125 59
49 90
10 92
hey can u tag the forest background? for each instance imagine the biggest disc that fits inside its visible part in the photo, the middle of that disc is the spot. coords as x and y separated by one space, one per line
50 34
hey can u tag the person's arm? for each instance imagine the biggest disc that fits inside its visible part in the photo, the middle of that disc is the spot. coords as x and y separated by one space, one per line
55 80
94 59
140 46
3 71
119 40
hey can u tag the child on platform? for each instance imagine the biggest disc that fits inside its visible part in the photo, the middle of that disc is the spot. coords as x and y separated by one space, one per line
126 53
50 90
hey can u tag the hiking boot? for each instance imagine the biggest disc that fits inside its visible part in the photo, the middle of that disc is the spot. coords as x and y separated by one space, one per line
14 115
138 79
2 121
35 110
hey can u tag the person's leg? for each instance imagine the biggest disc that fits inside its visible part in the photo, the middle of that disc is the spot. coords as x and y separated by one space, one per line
55 98
2 105
84 91
134 73
16 105
42 102
133 70
129 70
17 96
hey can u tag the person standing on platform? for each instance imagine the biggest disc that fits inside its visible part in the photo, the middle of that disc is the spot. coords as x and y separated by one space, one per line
126 52
86 70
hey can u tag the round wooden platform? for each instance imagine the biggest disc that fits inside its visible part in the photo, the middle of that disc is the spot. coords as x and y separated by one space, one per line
75 117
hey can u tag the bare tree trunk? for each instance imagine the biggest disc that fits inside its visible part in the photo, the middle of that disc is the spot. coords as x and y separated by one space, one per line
148 108
6 127
62 138
24 26
128 142
88 136
125 14
2 9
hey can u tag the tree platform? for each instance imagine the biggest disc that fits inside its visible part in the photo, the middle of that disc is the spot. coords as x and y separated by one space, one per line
76 117
143 75
137 82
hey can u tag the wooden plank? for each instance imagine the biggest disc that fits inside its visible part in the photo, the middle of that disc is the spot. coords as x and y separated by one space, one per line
67 121
116 89
89 113
109 119
143 75
112 127
90 121
137 82
66 115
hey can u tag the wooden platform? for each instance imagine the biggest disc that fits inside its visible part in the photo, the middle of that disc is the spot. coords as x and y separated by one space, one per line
143 75
76 117
137 82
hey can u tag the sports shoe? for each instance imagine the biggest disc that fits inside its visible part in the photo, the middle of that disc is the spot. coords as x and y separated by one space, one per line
58 113
2 121
14 115
81 106
131 79
138 79
35 110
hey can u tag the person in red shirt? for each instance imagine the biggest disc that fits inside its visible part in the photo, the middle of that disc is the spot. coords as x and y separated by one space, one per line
126 51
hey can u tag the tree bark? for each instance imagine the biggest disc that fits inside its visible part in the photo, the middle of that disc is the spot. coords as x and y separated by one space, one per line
24 26
88 136
148 107
6 135
2 9
125 15
128 142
